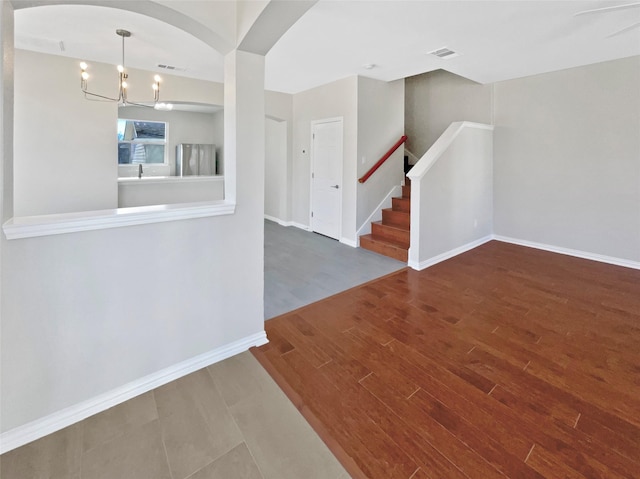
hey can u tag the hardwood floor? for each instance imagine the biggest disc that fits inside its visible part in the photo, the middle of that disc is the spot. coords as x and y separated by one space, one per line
503 361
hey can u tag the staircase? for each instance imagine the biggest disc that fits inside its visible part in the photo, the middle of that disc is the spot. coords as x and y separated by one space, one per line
390 236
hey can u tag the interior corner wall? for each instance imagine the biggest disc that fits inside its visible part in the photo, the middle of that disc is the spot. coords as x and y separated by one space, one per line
567 159
62 166
380 126
436 99
336 99
279 108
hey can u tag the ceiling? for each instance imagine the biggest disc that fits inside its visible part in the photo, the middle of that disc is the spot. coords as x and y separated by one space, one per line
495 40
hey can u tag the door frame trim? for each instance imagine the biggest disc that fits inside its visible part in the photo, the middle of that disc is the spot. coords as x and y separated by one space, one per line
339 119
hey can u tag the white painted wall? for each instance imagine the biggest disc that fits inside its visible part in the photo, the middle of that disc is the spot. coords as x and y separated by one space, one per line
165 191
275 175
173 88
436 99
567 159
218 139
452 194
182 127
337 99
279 107
86 313
380 126
6 115
61 166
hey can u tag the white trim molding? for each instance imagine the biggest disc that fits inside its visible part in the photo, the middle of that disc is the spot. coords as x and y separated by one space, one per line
571 252
440 146
46 225
278 220
449 254
54 422
376 215
349 242
300 226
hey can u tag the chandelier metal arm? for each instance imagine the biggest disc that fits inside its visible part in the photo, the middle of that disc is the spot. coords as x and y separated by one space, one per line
122 84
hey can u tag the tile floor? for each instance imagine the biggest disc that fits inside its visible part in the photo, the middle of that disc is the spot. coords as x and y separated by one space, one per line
227 421
301 267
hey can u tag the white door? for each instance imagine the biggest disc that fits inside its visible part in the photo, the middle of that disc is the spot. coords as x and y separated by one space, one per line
326 177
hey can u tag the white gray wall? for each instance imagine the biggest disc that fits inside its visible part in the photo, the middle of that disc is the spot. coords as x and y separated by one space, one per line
275 174
436 99
380 126
218 139
337 99
567 159
455 196
279 108
65 147
166 191
85 313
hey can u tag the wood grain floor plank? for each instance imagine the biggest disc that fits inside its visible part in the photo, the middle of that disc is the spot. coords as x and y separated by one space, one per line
503 362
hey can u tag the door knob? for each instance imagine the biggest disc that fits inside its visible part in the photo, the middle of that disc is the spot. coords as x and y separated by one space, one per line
336 186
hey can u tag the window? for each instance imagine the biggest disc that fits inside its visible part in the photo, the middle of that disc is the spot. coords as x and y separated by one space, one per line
141 142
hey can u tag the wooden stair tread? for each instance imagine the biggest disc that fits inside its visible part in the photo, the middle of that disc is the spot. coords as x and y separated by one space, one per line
391 237
401 204
396 218
400 228
397 234
385 247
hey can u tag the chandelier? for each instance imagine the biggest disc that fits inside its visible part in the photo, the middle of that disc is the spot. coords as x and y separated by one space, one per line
122 99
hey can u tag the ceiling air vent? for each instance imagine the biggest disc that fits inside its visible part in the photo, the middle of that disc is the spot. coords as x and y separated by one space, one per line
444 53
171 68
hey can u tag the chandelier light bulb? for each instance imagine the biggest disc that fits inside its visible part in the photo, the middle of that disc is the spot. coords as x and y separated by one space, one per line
121 99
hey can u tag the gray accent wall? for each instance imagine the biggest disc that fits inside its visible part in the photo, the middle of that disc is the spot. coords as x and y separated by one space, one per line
436 99
567 159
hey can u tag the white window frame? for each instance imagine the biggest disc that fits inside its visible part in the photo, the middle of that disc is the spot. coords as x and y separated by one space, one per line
150 169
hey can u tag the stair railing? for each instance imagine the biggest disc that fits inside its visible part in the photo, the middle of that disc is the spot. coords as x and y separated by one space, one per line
386 156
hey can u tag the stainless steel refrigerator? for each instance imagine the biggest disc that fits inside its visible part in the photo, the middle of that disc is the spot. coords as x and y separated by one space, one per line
195 159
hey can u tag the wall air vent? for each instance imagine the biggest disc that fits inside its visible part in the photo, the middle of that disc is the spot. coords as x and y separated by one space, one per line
171 68
444 53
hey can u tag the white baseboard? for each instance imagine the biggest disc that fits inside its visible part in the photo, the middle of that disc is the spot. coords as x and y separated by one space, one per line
449 254
299 225
287 223
571 252
54 422
348 242
278 220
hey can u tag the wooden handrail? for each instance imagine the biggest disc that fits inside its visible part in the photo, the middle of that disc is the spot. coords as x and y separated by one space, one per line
386 156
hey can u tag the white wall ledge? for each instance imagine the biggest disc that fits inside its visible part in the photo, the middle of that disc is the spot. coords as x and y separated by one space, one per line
46 225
